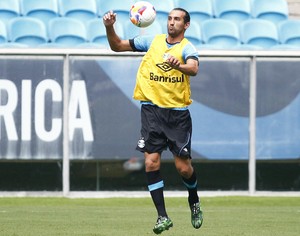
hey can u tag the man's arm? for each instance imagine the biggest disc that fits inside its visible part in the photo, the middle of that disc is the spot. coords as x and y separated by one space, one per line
190 68
116 44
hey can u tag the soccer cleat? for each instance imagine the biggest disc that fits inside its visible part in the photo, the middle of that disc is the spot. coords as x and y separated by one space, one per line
196 215
163 223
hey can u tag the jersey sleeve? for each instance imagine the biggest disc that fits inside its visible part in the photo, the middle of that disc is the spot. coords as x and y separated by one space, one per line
190 51
141 43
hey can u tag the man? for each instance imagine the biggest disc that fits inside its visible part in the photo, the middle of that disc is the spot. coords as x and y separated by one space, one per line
163 87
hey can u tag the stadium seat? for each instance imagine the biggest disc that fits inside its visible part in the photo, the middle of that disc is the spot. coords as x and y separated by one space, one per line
272 10
163 24
235 10
67 31
78 9
220 33
200 10
153 29
162 8
27 30
193 34
259 32
13 45
248 47
120 7
3 33
52 45
289 32
92 45
9 9
44 10
130 31
96 33
285 47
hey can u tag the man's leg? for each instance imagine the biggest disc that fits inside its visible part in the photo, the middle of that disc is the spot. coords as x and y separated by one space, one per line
155 186
188 174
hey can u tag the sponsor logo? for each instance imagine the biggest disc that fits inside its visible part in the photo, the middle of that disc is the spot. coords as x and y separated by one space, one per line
164 66
167 79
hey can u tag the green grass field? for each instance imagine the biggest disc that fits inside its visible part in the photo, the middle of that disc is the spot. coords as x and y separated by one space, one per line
232 216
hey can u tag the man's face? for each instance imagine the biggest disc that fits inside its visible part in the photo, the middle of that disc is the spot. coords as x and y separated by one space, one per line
176 25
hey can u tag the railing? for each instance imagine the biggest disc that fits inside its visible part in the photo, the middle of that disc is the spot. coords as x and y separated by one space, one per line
237 111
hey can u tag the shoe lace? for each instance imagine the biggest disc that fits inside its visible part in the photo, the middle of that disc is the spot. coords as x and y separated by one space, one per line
160 219
195 209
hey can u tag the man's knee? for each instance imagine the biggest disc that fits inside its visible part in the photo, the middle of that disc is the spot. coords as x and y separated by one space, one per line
184 167
152 161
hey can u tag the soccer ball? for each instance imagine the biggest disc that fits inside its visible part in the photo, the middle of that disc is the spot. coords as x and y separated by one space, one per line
142 14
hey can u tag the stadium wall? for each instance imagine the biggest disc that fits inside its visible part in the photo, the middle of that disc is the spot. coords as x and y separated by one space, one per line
294 9
71 111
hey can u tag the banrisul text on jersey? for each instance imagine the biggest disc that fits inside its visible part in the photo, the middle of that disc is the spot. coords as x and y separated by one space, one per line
166 79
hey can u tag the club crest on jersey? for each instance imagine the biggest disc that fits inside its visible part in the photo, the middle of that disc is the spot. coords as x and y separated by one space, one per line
166 56
164 66
141 143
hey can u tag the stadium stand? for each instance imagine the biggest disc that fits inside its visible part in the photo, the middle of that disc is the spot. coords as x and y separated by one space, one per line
285 47
259 32
96 34
163 24
193 34
220 33
9 9
272 10
162 9
235 10
154 28
78 9
67 32
3 33
200 10
120 7
130 31
289 33
44 10
13 45
26 30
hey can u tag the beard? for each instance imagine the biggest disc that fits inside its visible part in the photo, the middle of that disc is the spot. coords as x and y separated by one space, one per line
172 32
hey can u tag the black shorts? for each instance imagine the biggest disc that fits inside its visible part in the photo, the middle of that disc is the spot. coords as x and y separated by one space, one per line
165 128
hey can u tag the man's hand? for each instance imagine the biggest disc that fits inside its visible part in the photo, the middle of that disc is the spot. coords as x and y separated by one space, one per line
173 62
115 42
109 18
189 68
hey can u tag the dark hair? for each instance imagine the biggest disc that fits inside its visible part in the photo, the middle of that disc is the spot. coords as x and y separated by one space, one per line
187 17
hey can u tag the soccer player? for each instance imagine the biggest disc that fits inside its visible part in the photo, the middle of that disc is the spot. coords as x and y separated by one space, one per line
163 89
